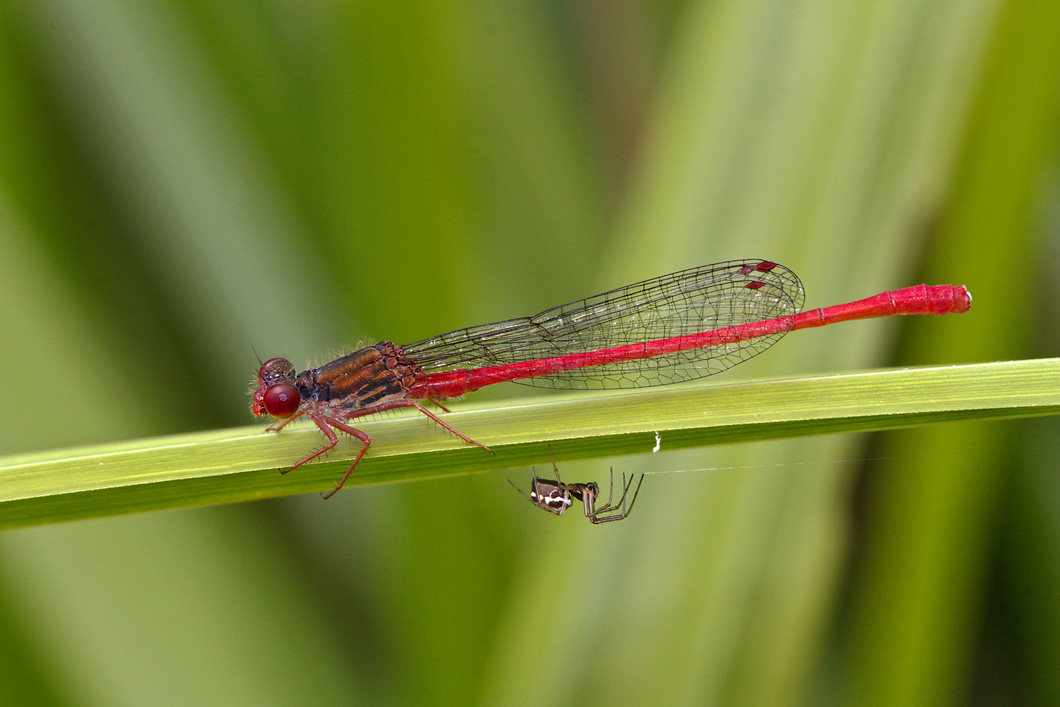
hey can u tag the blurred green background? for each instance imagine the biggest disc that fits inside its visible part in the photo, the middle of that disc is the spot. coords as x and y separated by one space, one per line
183 182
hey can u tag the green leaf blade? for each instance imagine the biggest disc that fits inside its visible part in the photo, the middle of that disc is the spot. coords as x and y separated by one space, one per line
240 465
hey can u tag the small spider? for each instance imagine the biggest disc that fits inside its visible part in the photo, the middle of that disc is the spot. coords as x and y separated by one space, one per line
557 497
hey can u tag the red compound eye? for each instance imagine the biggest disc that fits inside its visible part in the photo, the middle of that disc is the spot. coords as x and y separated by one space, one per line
282 400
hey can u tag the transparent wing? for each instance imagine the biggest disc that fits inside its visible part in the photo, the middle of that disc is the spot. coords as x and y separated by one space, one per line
692 301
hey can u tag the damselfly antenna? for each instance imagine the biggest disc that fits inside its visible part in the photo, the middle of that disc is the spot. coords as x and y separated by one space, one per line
558 497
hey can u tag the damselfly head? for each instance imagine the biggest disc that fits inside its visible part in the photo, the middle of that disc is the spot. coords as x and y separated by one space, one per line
276 394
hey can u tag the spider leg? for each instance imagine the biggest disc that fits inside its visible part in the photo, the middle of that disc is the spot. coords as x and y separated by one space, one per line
596 518
610 492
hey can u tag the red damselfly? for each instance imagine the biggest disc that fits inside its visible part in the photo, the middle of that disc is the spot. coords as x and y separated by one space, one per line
669 329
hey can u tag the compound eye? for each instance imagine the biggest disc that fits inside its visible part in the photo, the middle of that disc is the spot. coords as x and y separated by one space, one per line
282 400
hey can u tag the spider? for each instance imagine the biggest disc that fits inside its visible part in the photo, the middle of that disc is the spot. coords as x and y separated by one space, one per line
557 497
